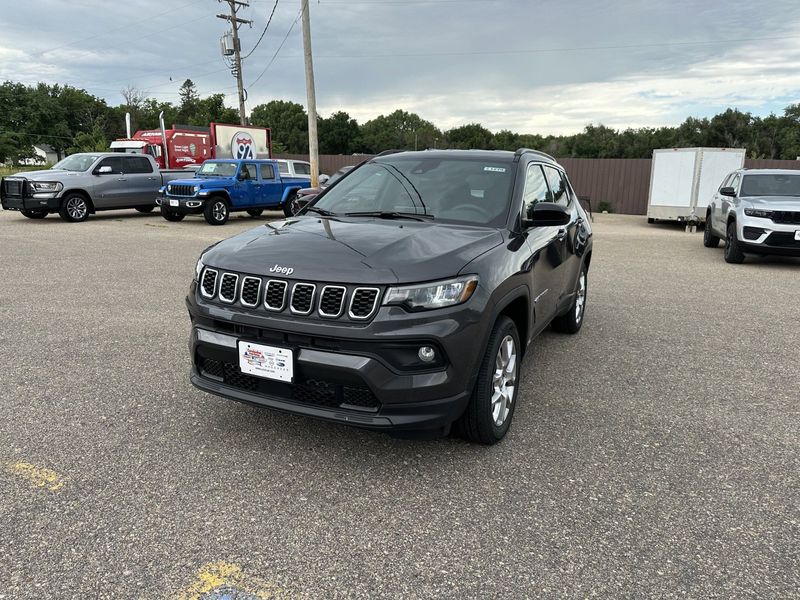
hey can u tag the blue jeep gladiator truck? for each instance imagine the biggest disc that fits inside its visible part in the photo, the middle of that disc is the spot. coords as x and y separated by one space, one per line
222 186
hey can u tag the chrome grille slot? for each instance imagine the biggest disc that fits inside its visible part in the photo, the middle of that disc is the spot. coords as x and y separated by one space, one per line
208 287
227 287
331 301
302 298
275 295
181 190
251 291
363 303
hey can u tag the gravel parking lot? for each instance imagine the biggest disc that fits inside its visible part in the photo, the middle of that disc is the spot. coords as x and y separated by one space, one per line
655 454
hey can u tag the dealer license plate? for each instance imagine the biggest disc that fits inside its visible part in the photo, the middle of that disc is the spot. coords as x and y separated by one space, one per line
797 235
174 202
269 362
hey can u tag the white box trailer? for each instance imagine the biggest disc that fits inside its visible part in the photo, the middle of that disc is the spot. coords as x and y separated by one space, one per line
683 180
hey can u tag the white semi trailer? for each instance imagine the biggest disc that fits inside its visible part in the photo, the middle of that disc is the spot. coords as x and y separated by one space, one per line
683 181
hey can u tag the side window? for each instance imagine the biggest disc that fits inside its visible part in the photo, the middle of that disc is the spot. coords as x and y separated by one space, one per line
114 162
283 168
267 171
725 182
247 171
558 187
136 164
735 183
535 190
302 168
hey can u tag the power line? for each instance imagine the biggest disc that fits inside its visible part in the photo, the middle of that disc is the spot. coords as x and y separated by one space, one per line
274 56
263 33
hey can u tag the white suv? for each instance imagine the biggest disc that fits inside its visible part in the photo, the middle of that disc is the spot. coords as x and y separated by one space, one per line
294 168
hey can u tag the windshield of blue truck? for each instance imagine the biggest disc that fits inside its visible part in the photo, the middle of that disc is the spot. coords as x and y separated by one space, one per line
76 162
473 191
773 184
217 169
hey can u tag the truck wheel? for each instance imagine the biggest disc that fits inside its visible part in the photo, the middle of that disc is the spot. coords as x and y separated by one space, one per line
216 211
491 407
288 210
170 215
74 208
651 220
34 214
145 209
709 239
571 321
733 250
255 212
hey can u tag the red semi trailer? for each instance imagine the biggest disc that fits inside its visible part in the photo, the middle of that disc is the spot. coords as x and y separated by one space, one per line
185 145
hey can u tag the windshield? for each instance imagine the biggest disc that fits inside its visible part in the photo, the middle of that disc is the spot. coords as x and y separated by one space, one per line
217 169
465 190
76 162
770 185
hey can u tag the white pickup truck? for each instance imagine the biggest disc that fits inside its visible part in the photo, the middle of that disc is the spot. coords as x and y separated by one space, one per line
85 183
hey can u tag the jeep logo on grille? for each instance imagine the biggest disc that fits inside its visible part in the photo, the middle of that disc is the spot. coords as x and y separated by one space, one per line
282 270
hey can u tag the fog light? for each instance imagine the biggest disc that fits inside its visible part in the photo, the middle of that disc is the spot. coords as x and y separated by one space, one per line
426 354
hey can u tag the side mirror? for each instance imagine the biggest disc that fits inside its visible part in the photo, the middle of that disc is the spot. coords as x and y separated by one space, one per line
323 178
103 170
728 191
546 214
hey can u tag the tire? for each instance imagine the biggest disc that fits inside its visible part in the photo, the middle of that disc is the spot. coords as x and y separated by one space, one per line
34 214
571 321
733 249
216 211
288 211
709 239
74 208
145 209
484 422
170 215
650 220
255 212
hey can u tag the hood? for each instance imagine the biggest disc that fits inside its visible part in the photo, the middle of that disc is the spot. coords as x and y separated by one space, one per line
774 202
48 174
214 182
355 250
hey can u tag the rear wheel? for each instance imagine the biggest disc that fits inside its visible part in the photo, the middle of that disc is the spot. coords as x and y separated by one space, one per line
491 407
216 211
733 249
571 321
145 209
170 215
34 214
255 212
74 208
288 209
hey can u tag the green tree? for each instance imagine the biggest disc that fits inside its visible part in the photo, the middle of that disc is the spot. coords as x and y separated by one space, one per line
213 110
338 134
399 130
472 135
288 122
189 101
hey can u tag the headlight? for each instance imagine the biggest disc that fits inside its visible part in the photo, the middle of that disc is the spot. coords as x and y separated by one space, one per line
169 188
196 188
438 294
199 268
758 212
45 186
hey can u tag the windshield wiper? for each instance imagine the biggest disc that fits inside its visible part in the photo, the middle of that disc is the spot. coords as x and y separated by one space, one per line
390 215
320 211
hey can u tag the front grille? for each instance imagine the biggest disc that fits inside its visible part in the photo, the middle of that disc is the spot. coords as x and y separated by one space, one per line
209 285
786 217
785 239
181 190
251 290
275 296
13 187
363 303
302 298
331 302
227 287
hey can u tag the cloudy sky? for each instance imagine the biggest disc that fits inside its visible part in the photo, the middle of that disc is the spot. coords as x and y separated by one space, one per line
533 66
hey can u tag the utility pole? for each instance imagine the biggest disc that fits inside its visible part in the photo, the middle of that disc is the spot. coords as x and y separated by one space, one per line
237 47
313 147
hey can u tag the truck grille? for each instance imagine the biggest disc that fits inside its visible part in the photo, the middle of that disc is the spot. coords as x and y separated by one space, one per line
786 217
299 299
180 190
13 187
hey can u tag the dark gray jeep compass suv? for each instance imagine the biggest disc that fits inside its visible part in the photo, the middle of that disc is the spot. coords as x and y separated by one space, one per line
402 299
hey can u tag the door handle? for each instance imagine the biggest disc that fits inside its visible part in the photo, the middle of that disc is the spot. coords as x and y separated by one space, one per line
562 233
152 178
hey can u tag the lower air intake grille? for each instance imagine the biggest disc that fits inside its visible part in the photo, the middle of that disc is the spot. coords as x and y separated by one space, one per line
363 303
302 298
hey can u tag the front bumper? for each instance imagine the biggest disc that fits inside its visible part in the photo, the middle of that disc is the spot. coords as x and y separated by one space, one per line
340 373
186 205
48 202
760 235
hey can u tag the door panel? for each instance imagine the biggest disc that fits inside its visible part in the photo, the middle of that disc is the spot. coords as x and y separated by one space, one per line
271 186
142 182
108 189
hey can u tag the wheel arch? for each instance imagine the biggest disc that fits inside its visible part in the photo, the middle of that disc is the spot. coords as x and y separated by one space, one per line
516 306
81 192
289 193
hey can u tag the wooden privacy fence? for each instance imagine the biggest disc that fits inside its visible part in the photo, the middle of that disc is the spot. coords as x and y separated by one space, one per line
623 183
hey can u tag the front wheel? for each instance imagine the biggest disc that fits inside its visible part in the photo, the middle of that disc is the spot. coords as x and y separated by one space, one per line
255 212
34 214
216 211
709 239
171 216
288 209
74 208
571 321
733 249
491 407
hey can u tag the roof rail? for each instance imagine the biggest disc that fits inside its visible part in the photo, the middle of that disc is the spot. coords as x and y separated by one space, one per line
387 152
518 154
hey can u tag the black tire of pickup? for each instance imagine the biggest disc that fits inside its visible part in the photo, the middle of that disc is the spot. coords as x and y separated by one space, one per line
288 210
216 211
255 212
34 214
74 208
170 215
477 424
145 209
